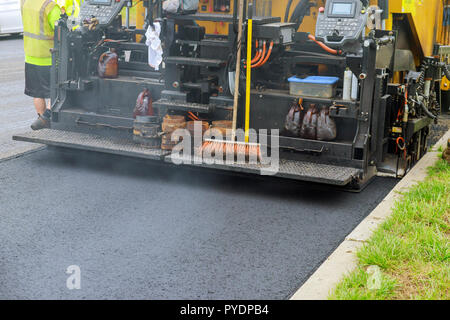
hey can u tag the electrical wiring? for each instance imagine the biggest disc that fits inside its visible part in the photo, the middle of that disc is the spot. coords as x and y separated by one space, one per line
324 46
269 53
263 56
257 56
401 146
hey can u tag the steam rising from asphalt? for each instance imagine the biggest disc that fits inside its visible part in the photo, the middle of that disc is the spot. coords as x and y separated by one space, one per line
192 177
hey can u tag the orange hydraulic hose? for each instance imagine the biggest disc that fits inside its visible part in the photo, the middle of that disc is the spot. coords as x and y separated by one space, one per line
258 53
323 46
401 147
398 143
257 57
267 56
263 56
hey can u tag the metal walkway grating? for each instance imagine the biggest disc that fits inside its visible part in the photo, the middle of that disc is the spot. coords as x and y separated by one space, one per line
296 170
90 142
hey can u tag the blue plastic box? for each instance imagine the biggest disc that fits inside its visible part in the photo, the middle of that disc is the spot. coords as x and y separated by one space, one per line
313 86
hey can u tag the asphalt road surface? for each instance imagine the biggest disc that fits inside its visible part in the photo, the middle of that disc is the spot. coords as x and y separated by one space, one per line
143 230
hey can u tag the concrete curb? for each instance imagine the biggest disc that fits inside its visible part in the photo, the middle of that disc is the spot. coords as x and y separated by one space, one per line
343 260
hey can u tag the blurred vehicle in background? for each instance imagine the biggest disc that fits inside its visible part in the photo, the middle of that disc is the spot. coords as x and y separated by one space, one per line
10 17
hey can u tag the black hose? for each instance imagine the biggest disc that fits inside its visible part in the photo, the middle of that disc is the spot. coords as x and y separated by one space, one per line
235 16
298 9
421 80
446 71
288 8
428 112
300 12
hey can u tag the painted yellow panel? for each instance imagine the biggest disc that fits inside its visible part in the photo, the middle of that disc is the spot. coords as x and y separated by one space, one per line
427 15
140 18
445 84
410 6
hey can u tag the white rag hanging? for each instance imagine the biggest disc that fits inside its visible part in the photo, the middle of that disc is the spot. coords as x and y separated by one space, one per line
153 42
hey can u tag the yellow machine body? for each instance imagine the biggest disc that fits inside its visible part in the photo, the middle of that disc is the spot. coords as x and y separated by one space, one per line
427 17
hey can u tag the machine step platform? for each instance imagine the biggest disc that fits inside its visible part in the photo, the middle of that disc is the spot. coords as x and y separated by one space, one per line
290 169
90 142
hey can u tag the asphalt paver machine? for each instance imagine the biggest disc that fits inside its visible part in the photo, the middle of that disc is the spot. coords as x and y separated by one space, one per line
374 86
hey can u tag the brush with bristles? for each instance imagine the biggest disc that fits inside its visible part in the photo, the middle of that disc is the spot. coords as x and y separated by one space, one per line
239 150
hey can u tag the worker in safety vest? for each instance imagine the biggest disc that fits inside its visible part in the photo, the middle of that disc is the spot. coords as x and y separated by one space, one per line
70 7
39 18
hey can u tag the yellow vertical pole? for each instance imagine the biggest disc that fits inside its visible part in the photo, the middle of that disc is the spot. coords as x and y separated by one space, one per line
249 74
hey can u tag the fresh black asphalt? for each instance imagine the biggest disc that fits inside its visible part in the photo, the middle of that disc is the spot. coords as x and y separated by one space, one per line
151 231
148 231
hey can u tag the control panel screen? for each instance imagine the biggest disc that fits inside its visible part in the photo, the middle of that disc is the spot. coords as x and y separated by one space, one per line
101 2
342 8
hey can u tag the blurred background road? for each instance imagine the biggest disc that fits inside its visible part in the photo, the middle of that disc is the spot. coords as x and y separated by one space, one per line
17 109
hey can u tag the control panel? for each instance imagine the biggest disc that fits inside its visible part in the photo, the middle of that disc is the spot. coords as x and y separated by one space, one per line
104 10
341 22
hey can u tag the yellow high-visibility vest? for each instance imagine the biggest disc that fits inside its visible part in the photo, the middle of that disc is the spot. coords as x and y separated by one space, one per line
37 32
72 7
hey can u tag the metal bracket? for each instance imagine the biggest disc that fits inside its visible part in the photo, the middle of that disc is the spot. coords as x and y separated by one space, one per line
307 151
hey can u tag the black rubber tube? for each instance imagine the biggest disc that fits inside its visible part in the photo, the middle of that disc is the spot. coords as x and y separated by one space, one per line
288 8
299 12
446 71
298 9
428 112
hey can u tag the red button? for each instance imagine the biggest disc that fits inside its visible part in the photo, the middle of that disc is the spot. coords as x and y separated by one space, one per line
321 9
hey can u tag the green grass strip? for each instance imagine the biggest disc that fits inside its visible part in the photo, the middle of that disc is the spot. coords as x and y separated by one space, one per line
411 248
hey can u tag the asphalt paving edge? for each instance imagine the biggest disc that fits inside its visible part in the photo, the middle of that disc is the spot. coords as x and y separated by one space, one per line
343 260
17 154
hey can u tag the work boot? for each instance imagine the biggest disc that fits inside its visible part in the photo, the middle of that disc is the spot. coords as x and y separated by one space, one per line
42 122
